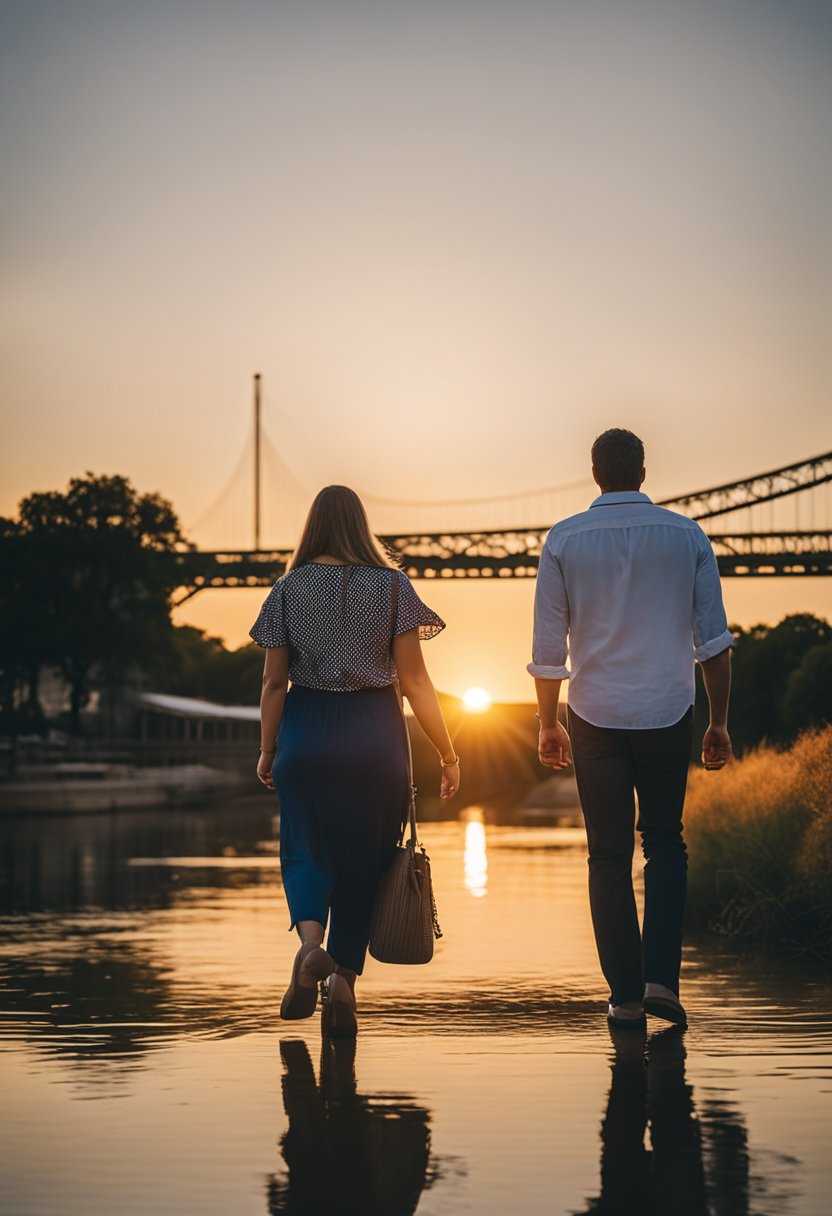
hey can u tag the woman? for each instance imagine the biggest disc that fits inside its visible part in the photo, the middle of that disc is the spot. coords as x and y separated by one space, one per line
338 626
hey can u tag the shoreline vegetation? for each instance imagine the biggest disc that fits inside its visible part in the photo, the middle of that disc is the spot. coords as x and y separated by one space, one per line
760 847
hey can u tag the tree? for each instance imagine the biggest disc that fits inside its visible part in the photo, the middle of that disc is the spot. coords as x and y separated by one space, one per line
196 665
13 635
764 706
764 663
95 572
808 700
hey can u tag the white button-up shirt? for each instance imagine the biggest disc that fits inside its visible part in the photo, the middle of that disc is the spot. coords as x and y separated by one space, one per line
630 592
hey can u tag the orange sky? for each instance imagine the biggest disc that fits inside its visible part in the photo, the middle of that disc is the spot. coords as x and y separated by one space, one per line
487 642
457 240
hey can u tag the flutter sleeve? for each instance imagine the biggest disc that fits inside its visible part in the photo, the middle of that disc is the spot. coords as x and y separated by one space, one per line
269 629
412 613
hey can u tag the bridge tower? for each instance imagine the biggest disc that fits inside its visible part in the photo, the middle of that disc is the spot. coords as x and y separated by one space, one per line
257 430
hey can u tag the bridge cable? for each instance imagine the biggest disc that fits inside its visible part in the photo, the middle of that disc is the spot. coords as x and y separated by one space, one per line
380 501
242 462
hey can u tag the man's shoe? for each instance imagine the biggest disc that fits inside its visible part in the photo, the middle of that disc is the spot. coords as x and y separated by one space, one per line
628 1014
662 1002
338 1020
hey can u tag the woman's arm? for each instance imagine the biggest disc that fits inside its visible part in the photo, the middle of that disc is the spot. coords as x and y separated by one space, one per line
272 700
417 686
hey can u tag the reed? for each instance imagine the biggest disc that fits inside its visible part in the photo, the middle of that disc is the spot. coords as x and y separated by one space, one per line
760 842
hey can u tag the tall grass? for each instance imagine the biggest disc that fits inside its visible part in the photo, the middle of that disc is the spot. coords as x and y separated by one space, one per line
760 840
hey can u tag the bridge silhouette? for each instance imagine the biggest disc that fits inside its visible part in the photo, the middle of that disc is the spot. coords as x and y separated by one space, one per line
513 552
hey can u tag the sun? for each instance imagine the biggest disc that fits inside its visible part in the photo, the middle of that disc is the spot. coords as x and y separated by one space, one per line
476 700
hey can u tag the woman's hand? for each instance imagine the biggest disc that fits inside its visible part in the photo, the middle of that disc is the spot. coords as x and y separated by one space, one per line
450 780
264 768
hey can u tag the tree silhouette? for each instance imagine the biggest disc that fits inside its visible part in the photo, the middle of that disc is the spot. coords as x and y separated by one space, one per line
92 578
778 685
808 699
198 665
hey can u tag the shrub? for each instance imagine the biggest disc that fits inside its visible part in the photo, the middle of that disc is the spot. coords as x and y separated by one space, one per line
760 840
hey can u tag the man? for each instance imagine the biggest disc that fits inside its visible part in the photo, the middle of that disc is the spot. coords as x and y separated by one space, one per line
631 591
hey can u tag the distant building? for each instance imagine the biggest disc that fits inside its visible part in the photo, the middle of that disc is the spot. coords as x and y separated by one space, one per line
164 718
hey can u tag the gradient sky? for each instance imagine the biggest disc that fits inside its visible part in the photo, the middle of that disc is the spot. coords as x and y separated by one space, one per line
457 240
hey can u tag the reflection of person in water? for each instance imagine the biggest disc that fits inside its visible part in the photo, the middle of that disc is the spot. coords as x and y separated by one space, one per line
346 1152
669 1178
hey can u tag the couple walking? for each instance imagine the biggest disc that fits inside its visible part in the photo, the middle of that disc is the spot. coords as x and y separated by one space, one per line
628 591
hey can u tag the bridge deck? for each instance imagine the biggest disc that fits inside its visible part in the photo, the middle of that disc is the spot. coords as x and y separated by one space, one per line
511 554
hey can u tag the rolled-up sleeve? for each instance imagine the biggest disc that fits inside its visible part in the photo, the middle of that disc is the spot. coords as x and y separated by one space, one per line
711 634
550 643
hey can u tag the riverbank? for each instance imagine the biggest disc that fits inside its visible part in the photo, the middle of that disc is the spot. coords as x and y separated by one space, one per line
76 788
760 840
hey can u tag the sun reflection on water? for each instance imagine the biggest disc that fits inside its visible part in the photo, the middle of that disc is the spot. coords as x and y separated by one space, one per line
476 856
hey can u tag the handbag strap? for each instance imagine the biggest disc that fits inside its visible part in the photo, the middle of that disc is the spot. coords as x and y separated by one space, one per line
411 804
345 586
410 817
394 603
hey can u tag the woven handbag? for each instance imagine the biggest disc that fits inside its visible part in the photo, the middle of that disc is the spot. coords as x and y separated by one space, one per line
405 922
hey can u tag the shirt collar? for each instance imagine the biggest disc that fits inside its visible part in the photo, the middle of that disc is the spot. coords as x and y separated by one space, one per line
616 497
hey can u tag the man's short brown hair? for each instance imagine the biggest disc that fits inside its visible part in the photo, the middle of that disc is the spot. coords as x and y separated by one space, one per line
618 459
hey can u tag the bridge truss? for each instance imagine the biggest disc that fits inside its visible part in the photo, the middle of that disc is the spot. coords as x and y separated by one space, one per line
765 487
507 555
515 553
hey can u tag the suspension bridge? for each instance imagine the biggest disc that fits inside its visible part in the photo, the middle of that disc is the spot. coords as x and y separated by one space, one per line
768 542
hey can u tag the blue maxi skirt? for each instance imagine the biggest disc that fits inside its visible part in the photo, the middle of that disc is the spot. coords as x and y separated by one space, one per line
341 780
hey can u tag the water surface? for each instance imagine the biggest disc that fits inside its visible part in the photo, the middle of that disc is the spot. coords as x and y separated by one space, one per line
144 1069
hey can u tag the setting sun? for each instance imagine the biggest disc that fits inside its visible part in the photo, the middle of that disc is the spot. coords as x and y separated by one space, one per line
476 700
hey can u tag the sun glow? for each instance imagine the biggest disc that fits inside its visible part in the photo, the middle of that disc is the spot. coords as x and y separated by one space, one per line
476 700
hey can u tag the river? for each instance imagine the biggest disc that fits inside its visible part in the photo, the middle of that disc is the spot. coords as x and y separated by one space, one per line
144 1068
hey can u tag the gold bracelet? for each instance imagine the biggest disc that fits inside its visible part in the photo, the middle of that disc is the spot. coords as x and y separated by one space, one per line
268 751
450 763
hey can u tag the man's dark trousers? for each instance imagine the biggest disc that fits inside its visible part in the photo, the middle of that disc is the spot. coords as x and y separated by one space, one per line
609 765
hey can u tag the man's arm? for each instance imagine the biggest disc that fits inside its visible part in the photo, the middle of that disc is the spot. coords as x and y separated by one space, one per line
716 745
553 741
712 641
549 651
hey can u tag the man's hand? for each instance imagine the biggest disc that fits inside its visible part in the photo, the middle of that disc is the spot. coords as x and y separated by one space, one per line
716 747
553 747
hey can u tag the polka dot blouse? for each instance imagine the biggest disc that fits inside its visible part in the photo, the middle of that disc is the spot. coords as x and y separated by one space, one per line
337 624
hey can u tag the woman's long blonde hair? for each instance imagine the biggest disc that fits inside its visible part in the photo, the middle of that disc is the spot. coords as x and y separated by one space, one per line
337 526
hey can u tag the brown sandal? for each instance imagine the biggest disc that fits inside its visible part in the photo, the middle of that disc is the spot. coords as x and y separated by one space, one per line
298 1001
338 1020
